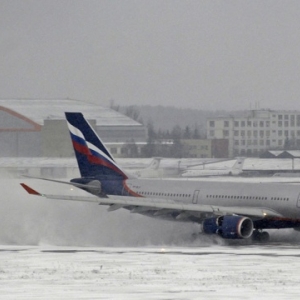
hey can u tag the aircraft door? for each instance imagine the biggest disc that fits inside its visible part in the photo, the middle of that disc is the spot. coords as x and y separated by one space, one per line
298 201
196 197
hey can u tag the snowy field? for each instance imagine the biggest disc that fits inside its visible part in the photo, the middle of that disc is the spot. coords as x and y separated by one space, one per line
215 272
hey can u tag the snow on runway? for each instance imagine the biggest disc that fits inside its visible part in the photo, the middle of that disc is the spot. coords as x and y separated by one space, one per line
211 272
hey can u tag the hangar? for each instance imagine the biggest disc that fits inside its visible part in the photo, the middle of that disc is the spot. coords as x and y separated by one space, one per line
37 128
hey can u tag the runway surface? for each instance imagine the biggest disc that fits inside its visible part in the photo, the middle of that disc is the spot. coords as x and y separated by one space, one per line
211 272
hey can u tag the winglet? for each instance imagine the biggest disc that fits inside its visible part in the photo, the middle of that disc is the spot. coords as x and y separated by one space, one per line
29 190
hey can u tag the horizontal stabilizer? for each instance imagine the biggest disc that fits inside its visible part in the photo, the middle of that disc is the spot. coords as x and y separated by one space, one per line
29 190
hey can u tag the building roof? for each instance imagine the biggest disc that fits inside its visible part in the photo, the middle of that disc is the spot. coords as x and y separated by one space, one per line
39 110
290 154
281 154
253 113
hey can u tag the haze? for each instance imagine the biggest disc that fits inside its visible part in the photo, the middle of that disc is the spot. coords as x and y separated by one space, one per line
196 54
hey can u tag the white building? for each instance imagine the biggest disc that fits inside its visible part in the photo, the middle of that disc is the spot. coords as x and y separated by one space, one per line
37 128
255 131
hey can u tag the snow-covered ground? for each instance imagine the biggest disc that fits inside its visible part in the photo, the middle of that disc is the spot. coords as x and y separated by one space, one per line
215 272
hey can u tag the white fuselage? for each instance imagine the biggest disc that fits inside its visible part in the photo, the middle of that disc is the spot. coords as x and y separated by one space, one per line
282 198
210 172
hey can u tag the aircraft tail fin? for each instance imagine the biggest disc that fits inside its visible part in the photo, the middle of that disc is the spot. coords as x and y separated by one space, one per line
93 159
238 165
154 165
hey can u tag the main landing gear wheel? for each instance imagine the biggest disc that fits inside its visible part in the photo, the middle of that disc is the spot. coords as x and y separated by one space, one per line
260 236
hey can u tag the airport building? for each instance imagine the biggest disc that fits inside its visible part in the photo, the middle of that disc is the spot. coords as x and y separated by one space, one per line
205 148
253 132
37 128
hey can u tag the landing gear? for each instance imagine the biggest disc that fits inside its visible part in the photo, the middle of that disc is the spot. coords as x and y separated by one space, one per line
260 236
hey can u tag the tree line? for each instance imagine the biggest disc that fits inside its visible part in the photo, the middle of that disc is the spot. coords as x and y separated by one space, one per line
160 142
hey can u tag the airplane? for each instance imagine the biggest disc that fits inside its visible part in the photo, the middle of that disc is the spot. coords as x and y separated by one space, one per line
231 210
235 170
151 171
161 167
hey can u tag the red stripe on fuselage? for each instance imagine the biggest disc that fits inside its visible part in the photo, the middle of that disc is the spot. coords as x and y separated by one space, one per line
129 191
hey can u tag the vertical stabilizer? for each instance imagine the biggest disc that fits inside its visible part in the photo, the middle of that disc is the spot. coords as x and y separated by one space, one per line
237 168
93 159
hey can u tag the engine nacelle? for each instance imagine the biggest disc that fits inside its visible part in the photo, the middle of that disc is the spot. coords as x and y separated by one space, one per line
94 187
229 227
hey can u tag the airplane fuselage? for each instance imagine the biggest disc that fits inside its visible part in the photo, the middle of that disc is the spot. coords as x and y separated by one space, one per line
282 198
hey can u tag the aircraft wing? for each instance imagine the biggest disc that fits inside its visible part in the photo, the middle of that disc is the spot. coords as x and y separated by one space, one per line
160 206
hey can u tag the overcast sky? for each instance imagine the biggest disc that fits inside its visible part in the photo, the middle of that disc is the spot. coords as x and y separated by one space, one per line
195 54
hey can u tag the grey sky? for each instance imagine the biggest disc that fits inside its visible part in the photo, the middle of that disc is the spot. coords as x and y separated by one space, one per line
197 54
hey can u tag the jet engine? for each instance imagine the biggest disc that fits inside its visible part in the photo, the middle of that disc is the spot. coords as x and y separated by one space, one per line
94 187
229 227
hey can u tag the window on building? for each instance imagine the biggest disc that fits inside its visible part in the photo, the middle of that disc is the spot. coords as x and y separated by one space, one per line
243 142
286 123
242 132
226 123
279 123
261 133
236 142
292 120
286 117
236 123
286 133
249 123
279 117
254 124
267 123
211 123
236 133
114 150
124 150
279 132
212 133
255 133
226 133
267 132
261 123
243 123
261 142
280 142
268 143
249 133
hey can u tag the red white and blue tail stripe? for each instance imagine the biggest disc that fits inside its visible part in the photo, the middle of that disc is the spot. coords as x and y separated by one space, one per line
93 159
